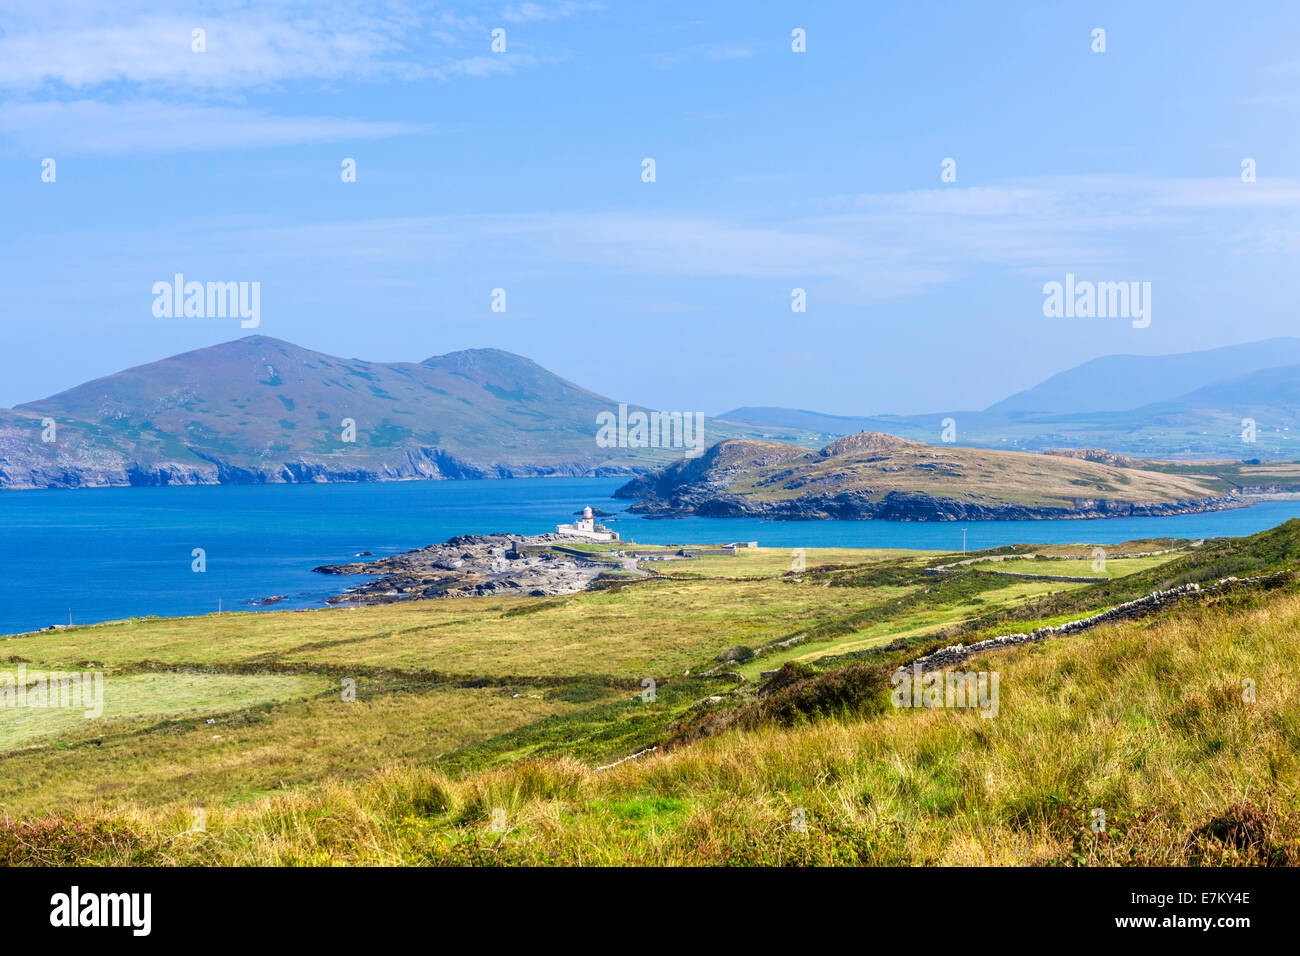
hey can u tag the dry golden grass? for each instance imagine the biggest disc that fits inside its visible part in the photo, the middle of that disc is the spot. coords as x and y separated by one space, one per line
1144 720
127 698
159 761
654 626
881 464
774 562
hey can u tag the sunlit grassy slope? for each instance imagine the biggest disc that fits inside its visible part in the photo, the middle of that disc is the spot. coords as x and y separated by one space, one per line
479 727
131 696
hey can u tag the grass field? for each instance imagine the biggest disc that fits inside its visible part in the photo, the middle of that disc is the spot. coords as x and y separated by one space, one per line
774 562
469 712
1085 568
268 747
153 695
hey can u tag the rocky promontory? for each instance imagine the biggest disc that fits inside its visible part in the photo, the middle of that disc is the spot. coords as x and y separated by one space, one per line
873 475
474 565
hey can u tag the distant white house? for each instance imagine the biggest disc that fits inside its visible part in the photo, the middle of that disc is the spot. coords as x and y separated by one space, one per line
586 527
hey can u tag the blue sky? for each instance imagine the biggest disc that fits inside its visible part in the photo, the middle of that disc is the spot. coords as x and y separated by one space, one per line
821 170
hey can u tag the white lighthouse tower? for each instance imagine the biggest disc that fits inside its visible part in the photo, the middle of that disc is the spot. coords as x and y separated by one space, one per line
586 527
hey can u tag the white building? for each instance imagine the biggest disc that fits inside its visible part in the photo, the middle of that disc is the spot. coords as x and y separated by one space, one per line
586 527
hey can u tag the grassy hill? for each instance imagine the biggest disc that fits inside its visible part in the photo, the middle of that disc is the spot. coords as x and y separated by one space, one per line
262 410
872 475
480 727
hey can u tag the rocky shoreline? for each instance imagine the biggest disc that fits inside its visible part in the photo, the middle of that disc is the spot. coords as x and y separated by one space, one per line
907 506
475 565
419 464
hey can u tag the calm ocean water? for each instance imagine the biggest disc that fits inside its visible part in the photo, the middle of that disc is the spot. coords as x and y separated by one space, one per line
102 554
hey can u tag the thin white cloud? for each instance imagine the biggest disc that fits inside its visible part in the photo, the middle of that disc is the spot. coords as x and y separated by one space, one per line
72 45
720 52
493 64
712 52
87 77
867 248
240 51
534 12
855 250
1266 192
87 126
862 258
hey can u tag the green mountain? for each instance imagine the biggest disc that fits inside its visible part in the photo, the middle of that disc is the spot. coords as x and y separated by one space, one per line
262 410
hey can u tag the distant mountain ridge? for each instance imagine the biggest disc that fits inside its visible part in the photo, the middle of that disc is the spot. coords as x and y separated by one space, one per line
1117 383
1190 405
258 409
262 410
812 421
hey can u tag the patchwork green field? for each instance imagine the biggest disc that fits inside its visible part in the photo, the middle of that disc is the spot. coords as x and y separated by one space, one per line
754 685
131 696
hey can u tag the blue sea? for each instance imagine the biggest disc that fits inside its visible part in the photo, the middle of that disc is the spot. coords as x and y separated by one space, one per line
101 554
